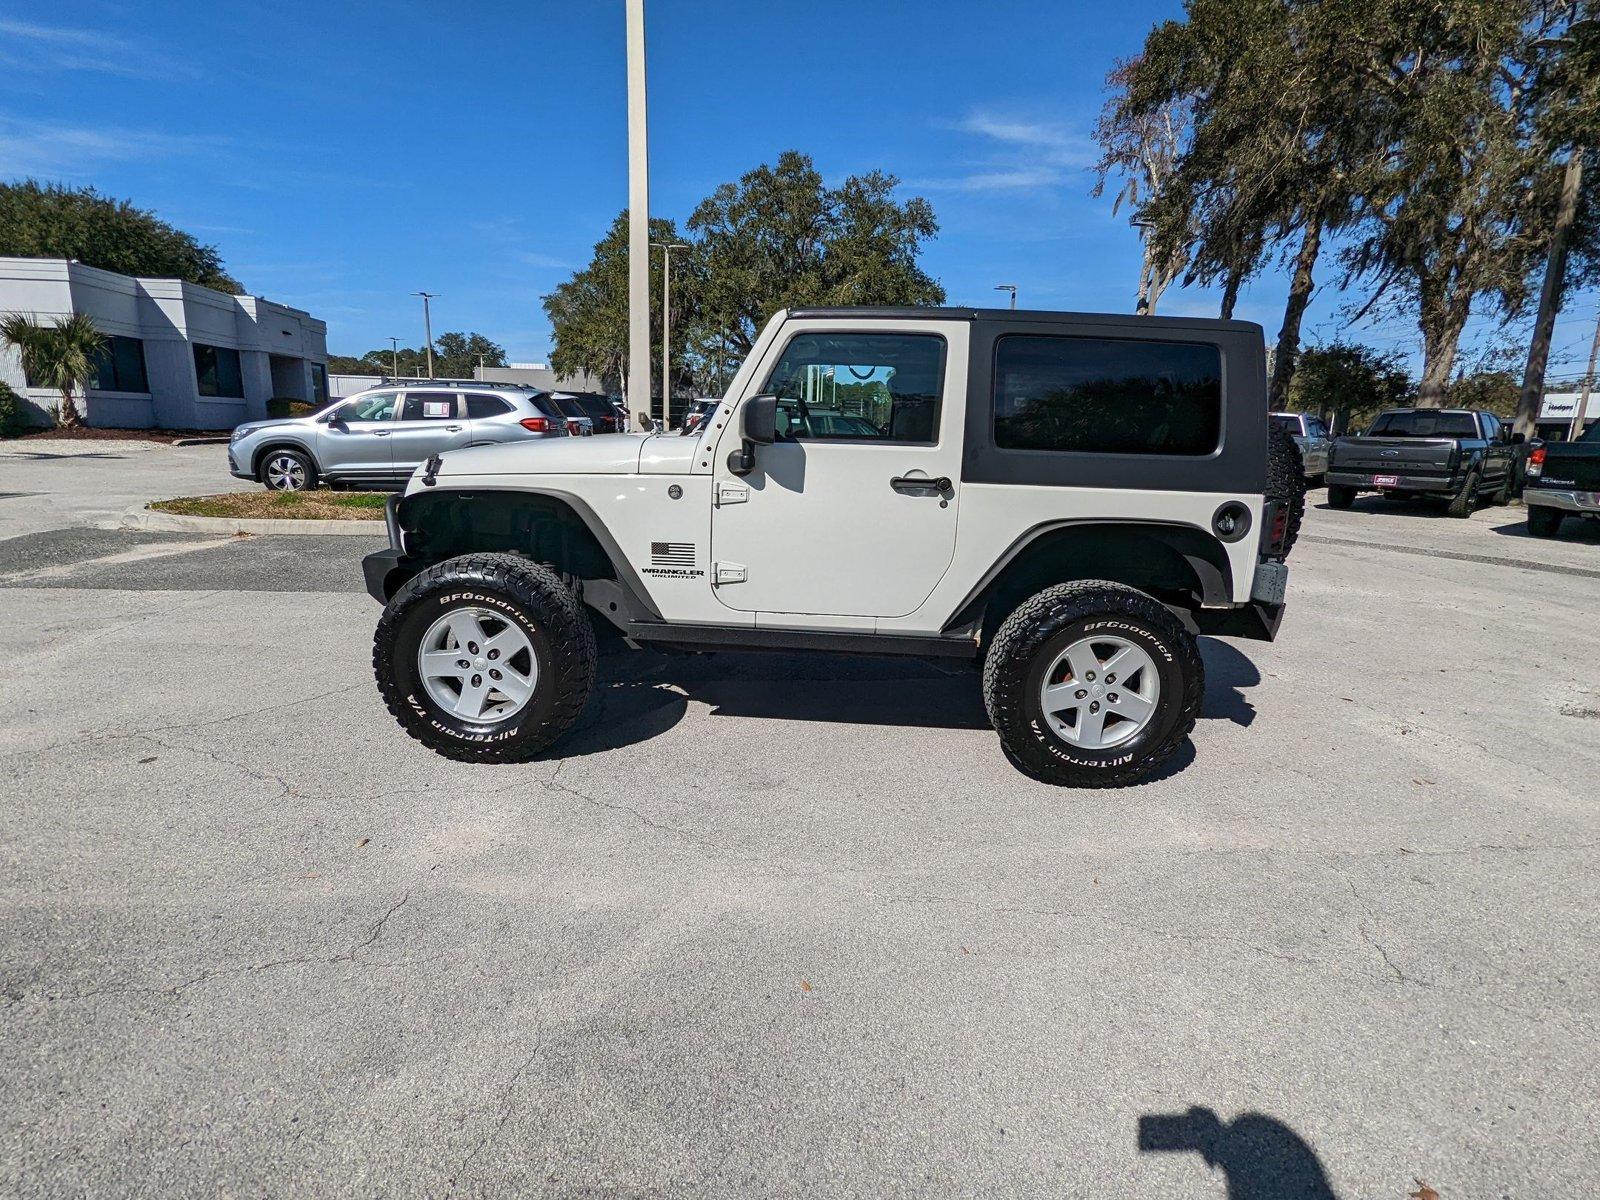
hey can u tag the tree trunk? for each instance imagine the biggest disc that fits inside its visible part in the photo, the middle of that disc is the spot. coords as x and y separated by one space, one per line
1441 336
1555 270
67 417
1300 286
1230 295
1143 303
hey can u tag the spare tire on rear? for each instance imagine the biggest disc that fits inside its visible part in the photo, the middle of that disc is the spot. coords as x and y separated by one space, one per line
1286 479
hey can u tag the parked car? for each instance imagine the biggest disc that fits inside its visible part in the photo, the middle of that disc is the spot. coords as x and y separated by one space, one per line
696 414
600 411
579 422
1563 480
1112 474
1311 436
797 420
380 436
1451 454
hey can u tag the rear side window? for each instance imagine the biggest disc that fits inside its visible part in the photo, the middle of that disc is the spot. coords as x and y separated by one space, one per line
1107 395
481 406
1287 423
429 406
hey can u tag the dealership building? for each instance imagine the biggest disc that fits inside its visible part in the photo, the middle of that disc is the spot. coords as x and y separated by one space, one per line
177 355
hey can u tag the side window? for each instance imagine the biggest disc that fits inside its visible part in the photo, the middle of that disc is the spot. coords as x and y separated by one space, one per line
374 406
480 406
217 371
859 387
1315 428
429 406
1107 395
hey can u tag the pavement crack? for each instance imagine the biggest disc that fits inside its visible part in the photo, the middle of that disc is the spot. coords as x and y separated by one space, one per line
505 1104
554 783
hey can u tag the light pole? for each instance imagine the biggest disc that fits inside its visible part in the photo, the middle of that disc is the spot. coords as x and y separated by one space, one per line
394 355
666 327
427 325
638 383
1008 287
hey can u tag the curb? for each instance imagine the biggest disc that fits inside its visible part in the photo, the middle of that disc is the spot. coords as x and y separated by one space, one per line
143 518
202 441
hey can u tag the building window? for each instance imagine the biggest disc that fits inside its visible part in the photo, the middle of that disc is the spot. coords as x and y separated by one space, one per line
119 366
217 372
1107 395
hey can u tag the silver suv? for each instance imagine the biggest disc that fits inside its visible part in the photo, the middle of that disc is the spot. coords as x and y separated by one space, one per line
1311 435
380 436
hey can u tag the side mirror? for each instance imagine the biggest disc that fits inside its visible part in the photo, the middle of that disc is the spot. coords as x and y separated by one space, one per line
1518 439
758 426
758 420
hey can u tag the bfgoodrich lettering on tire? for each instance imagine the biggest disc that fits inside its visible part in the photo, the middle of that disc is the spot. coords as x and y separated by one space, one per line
485 658
1092 684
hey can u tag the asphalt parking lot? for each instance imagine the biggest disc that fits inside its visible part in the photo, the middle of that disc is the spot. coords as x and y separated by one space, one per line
781 925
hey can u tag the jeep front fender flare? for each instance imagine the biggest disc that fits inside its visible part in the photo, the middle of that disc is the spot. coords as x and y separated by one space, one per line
412 509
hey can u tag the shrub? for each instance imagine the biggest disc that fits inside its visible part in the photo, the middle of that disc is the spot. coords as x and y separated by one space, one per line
289 406
13 415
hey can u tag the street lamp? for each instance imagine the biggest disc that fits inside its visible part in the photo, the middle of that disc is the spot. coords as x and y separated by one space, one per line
394 355
1008 287
666 326
638 383
427 325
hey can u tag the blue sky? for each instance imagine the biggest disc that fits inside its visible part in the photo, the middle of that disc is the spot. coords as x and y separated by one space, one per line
342 156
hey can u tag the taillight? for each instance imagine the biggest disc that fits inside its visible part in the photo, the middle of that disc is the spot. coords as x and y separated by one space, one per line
536 424
1536 462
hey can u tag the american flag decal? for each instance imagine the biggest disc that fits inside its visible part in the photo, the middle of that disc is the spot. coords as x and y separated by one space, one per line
672 554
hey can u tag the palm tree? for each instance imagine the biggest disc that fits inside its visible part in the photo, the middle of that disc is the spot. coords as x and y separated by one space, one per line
60 356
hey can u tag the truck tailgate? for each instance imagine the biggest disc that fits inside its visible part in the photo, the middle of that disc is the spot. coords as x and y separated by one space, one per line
1426 458
1571 465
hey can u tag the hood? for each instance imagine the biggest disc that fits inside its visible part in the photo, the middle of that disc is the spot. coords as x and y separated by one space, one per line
602 454
248 427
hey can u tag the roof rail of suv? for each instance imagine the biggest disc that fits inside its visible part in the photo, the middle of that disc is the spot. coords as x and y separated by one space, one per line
413 381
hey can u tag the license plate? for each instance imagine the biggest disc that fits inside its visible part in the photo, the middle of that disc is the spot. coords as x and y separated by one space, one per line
1386 481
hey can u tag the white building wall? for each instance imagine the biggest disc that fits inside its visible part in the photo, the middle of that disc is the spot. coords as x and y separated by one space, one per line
169 317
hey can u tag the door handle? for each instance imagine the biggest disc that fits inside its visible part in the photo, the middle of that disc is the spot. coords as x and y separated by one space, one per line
382 432
452 429
920 483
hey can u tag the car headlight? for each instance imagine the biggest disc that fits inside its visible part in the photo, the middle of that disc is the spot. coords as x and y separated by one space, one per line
238 433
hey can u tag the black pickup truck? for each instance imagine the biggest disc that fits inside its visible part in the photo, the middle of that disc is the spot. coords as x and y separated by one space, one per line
1451 454
1563 481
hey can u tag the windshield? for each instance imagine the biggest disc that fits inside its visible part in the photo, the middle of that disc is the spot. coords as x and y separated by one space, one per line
567 405
1424 423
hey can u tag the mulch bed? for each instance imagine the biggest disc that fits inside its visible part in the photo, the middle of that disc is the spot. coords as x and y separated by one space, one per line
97 433
320 505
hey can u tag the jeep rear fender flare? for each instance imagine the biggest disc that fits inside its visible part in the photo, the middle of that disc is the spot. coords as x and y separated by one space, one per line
1199 550
412 505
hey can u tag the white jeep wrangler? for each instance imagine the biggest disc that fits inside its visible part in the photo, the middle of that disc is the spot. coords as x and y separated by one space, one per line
1066 499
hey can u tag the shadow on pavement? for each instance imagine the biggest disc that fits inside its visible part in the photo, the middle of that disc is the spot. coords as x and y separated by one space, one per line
1573 529
640 695
1260 1157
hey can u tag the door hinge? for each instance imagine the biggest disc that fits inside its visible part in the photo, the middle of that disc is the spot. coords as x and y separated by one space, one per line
731 491
725 572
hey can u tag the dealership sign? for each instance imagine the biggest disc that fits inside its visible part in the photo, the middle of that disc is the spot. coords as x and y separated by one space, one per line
1559 406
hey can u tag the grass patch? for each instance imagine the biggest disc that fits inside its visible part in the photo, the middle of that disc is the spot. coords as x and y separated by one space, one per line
319 505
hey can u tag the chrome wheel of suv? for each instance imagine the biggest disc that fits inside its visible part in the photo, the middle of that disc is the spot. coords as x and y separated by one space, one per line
476 664
285 471
1100 691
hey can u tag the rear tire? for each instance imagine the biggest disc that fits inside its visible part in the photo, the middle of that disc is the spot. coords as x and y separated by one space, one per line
1341 495
504 596
1544 521
1465 502
1040 640
1286 480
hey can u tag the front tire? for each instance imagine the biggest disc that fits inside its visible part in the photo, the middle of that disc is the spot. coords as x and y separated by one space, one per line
485 658
288 471
1092 684
1544 521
